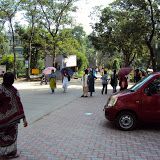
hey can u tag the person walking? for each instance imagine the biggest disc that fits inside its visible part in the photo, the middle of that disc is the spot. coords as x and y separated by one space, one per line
65 77
11 112
138 77
85 84
53 81
123 83
43 79
93 71
91 79
114 81
104 82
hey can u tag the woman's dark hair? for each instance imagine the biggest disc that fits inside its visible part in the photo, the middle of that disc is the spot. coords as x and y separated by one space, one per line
8 79
105 72
86 71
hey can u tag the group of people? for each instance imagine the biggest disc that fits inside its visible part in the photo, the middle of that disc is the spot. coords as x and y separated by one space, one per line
123 82
65 81
88 83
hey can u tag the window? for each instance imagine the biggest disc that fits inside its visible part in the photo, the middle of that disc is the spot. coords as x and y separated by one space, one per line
153 87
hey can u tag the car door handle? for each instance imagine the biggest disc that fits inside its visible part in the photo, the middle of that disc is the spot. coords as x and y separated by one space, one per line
137 101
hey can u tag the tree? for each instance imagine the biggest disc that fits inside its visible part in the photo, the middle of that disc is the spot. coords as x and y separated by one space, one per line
40 43
4 44
8 10
114 33
30 6
90 53
53 15
147 14
126 26
116 65
7 60
68 43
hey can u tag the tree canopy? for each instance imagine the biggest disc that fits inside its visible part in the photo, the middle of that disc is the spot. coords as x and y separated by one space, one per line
127 27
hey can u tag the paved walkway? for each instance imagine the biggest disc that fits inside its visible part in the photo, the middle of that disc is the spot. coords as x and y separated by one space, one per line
79 131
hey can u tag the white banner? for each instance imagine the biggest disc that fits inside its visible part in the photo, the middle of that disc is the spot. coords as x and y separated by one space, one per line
71 61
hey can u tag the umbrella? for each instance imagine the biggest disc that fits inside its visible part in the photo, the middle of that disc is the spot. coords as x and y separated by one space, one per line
48 70
69 71
124 71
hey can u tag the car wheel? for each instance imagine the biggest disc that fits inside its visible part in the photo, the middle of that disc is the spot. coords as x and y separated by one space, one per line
126 121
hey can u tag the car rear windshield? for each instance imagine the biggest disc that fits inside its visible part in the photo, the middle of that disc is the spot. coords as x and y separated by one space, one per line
140 83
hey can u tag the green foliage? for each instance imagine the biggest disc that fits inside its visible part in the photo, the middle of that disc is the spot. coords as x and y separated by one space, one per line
125 27
90 53
80 73
116 65
4 44
72 41
8 61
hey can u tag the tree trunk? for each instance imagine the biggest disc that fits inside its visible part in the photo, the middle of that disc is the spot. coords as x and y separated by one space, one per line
14 52
29 51
151 37
152 56
127 57
36 57
54 53
130 62
149 61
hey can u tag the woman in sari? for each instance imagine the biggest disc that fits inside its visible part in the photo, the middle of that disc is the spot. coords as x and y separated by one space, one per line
91 79
85 84
53 81
11 111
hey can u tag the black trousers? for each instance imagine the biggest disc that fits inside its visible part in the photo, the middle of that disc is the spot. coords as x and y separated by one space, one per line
104 88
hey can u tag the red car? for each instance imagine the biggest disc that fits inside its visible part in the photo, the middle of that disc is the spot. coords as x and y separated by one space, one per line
140 103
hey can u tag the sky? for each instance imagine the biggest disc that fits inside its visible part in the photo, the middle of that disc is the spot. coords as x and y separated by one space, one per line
84 10
85 7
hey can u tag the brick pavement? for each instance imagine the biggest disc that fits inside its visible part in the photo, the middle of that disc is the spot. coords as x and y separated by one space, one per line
69 134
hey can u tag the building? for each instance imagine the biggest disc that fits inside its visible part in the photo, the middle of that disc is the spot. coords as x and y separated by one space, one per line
60 63
18 46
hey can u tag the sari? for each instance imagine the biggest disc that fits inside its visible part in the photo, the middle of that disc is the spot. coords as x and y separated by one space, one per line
91 83
11 111
85 84
53 82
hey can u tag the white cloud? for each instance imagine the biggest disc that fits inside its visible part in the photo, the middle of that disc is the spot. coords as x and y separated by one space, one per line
82 14
84 10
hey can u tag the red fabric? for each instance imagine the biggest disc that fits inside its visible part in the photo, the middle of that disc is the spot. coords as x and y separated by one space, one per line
10 131
123 82
124 71
11 108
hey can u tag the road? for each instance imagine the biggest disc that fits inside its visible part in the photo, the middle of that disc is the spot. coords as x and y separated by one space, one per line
78 130
38 100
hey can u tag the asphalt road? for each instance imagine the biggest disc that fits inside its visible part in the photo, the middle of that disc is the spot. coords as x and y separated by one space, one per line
38 101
